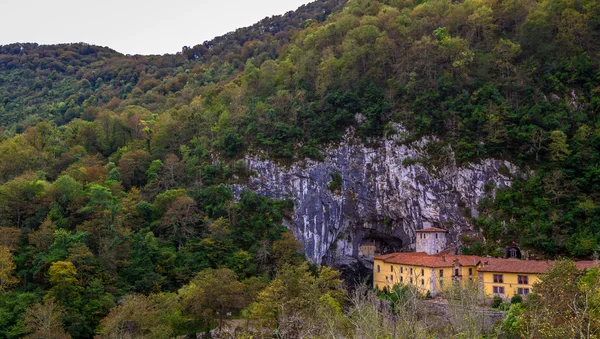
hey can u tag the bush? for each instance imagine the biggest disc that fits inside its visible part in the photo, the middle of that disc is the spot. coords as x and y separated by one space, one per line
516 299
335 185
496 302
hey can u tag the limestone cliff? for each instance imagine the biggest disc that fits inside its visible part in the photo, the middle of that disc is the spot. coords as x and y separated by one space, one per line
389 190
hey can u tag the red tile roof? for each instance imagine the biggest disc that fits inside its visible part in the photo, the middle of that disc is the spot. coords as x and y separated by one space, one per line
432 230
426 260
465 260
587 264
489 264
514 266
527 266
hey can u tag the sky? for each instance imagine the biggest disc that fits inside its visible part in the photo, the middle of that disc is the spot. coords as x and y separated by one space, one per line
132 26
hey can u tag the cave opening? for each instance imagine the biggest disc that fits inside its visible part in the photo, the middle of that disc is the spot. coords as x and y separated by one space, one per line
375 243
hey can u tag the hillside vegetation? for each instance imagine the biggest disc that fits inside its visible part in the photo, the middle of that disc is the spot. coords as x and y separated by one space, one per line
114 169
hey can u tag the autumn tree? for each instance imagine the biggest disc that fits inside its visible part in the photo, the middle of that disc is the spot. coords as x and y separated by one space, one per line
297 303
564 304
20 198
182 220
7 269
212 294
133 166
140 316
559 149
44 320
286 250
65 284
10 237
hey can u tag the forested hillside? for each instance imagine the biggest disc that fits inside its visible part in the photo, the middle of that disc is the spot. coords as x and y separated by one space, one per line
114 170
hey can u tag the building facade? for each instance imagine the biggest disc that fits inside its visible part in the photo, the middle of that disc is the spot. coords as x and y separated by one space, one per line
508 277
434 273
431 240
428 273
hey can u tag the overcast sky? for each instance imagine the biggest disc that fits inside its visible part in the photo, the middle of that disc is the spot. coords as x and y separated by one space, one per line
132 26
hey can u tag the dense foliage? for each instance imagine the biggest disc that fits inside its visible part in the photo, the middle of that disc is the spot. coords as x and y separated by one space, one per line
507 79
114 169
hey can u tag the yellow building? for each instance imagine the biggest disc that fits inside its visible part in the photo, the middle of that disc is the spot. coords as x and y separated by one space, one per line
432 273
508 277
429 273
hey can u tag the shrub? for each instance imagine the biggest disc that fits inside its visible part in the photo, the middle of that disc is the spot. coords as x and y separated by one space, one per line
496 302
516 299
335 185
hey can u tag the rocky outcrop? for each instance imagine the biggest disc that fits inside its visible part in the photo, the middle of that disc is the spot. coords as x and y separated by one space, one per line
389 190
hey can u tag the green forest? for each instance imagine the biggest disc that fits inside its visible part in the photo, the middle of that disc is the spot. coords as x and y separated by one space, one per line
116 215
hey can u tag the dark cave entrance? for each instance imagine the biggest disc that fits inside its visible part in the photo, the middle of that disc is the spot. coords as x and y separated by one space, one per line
375 243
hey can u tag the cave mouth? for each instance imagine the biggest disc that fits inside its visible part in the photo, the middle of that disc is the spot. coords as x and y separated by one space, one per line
375 243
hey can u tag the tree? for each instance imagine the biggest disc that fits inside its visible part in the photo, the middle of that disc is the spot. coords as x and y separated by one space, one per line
20 199
7 269
298 304
559 149
396 314
218 245
564 304
286 250
212 294
139 316
66 192
182 220
464 300
9 237
45 321
142 272
65 284
133 166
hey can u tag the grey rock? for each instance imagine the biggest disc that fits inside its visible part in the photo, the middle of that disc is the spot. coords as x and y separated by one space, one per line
387 194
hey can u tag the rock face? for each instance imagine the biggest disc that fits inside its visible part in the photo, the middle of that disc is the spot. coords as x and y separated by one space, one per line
389 190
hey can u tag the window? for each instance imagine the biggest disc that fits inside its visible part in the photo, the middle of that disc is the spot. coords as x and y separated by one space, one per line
391 268
401 269
378 269
411 271
498 278
441 284
436 236
422 272
401 279
422 282
456 273
522 291
498 290
470 271
411 280
391 278
523 280
441 273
